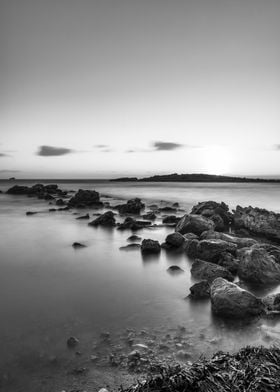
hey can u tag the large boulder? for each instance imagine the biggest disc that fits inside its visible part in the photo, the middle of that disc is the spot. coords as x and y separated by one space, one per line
175 240
106 219
208 271
133 206
150 246
85 198
228 261
258 221
218 212
190 247
196 224
229 300
240 242
257 266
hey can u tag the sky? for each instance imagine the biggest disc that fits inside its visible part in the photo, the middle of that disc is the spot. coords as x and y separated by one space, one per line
108 88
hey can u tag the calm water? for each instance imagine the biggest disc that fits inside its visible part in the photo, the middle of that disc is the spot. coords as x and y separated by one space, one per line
49 291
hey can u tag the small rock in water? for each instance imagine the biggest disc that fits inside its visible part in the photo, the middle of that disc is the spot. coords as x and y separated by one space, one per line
134 238
175 268
130 247
83 216
78 245
72 341
31 213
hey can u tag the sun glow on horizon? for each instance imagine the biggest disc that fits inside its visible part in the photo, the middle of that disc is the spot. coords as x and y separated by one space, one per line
216 160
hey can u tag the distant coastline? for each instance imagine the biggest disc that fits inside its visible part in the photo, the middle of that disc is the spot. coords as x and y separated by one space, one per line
195 178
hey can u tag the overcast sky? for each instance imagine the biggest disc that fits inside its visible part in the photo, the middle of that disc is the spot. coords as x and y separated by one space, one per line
102 88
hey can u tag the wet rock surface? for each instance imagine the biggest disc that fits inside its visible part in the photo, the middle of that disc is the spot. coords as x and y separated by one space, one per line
85 198
149 246
196 224
133 206
200 290
208 271
106 219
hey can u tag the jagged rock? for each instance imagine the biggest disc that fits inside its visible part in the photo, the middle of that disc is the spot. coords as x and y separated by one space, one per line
86 216
229 300
218 212
150 246
149 216
106 219
196 224
200 290
240 242
257 266
85 198
258 221
208 271
171 219
191 236
272 302
211 250
133 206
175 240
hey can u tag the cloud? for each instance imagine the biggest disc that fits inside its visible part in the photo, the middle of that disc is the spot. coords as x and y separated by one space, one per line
166 146
3 155
50 151
9 171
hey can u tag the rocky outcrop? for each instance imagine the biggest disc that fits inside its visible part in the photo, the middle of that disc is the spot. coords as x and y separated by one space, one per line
259 222
170 219
208 271
85 198
257 266
200 290
133 206
217 212
229 300
209 250
272 302
149 216
228 261
44 192
240 242
196 224
175 240
150 247
106 219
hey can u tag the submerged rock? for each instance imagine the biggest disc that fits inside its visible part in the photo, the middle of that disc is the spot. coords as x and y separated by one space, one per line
150 246
85 198
196 224
134 238
106 219
78 245
229 300
130 247
200 290
257 266
208 271
86 216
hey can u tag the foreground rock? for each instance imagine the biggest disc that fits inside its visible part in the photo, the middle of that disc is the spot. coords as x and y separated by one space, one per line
272 302
217 212
229 300
211 250
257 266
240 242
175 240
171 219
208 271
196 224
200 290
150 247
258 221
133 206
85 198
107 219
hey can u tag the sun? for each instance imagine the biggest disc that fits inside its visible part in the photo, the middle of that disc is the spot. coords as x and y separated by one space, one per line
216 160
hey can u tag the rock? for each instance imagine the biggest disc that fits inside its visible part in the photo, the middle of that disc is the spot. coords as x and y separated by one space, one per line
272 250
85 198
196 224
130 247
175 205
229 300
171 219
132 224
134 238
259 222
218 212
52 209
205 270
190 247
72 342
174 268
272 302
78 245
149 216
257 266
31 213
200 290
228 261
134 355
175 239
106 219
86 216
167 209
60 202
150 246
191 236
18 190
240 242
211 250
133 206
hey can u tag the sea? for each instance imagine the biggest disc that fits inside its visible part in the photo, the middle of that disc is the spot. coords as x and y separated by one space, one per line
50 291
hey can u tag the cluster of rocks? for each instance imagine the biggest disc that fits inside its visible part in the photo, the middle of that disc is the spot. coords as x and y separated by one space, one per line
85 198
45 192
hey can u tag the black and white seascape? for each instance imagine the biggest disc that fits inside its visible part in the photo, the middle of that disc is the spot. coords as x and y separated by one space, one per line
139 196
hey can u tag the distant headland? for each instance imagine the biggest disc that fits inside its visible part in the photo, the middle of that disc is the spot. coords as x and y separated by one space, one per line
197 177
